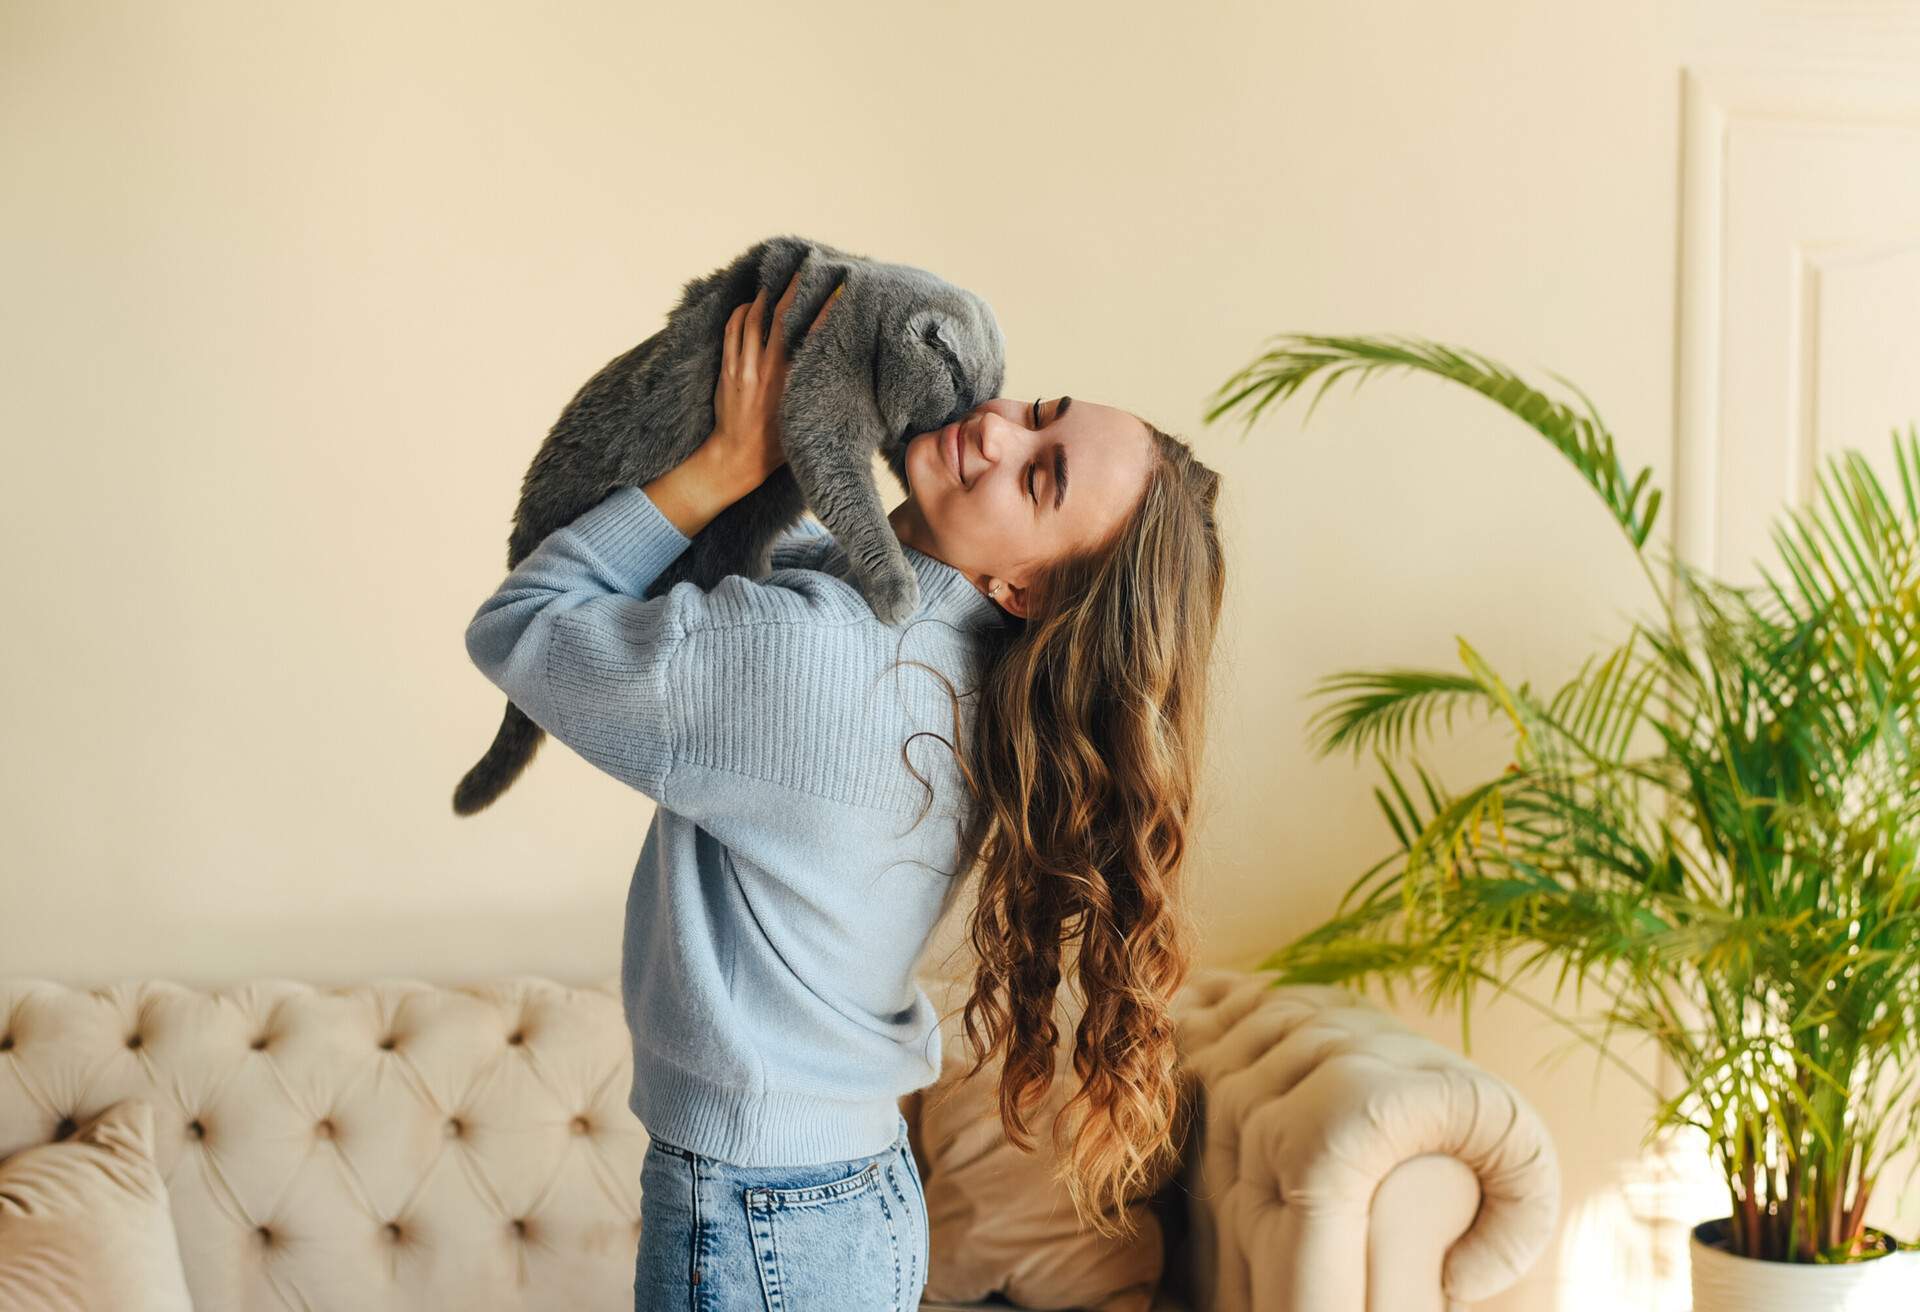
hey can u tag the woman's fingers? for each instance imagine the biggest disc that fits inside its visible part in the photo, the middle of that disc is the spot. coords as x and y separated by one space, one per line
730 340
756 326
751 339
826 305
786 297
775 343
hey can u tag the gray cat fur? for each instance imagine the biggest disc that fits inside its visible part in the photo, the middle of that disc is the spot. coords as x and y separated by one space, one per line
902 352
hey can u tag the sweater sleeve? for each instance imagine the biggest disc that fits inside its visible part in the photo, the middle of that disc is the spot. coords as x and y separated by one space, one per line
636 684
798 542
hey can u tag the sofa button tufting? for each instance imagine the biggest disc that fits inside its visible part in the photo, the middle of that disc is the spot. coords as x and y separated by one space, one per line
324 1129
196 1129
389 1043
266 1235
133 1040
393 1231
6 1043
455 1129
260 1044
65 1128
516 1038
520 1226
580 1125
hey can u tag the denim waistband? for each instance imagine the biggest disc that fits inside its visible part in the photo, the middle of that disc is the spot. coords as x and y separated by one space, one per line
899 1141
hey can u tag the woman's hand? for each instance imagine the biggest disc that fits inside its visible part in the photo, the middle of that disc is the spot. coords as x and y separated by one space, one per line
746 439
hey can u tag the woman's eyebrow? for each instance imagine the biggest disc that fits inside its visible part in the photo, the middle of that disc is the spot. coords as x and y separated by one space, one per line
1060 460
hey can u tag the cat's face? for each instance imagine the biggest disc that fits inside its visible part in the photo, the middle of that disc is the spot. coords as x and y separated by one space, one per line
986 494
943 356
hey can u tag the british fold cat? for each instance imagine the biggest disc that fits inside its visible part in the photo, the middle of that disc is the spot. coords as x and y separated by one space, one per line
901 352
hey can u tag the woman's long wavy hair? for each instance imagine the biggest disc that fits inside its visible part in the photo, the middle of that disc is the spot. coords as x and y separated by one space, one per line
1082 765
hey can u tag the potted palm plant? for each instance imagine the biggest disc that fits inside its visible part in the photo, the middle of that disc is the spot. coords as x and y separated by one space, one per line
1716 823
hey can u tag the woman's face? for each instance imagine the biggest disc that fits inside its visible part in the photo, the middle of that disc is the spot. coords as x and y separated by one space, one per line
1005 490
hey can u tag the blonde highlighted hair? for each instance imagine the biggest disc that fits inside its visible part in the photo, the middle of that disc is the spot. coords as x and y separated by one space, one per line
1082 765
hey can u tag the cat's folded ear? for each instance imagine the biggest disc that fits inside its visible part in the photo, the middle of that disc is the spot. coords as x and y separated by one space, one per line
934 327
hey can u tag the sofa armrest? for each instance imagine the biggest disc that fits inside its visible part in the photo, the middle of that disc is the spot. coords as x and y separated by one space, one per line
1340 1163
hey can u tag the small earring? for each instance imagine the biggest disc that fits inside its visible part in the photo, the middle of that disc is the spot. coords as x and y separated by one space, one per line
994 591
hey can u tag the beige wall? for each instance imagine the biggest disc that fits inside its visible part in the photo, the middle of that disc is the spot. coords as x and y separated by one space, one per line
293 293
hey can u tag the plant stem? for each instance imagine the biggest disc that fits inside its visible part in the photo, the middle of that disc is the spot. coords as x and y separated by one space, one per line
1747 1217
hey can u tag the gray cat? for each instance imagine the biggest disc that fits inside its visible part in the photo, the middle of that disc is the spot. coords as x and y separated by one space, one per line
902 352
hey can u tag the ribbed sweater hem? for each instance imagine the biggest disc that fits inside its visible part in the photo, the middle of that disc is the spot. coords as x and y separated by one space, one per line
756 1129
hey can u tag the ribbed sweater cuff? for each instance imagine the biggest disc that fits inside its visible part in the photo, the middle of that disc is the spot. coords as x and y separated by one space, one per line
631 536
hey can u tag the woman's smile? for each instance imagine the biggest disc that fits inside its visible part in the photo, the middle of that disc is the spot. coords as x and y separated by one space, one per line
951 441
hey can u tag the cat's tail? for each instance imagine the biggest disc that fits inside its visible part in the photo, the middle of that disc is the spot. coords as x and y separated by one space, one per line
513 746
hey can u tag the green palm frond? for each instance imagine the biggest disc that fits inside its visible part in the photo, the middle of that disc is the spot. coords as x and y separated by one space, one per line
1602 705
1581 438
1852 561
1385 707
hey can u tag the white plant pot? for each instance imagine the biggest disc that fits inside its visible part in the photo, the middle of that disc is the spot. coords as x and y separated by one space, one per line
1723 1282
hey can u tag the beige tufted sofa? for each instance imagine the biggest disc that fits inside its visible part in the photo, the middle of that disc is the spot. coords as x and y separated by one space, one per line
401 1145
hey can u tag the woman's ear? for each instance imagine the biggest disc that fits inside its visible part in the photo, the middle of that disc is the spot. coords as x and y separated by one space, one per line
1013 600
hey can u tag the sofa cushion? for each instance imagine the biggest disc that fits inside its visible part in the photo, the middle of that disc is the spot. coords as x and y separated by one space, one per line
84 1222
999 1222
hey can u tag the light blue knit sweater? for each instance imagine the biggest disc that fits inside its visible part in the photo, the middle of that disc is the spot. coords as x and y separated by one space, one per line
783 892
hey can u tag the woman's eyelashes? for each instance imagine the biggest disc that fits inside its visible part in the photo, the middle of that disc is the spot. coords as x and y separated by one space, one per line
1032 494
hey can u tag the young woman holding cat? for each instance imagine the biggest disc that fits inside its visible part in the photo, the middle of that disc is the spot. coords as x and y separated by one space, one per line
801 854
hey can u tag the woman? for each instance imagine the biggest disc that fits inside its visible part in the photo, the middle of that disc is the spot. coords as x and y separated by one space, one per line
806 840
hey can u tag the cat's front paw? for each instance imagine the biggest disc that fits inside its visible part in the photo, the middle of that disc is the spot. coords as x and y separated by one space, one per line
895 597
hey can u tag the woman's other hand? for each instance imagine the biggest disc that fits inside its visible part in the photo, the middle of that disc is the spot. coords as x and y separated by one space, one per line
746 438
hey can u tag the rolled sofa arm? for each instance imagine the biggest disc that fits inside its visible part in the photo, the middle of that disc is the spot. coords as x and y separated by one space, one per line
1344 1163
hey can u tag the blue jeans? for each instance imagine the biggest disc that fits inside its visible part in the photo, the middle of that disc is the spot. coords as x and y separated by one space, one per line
846 1236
